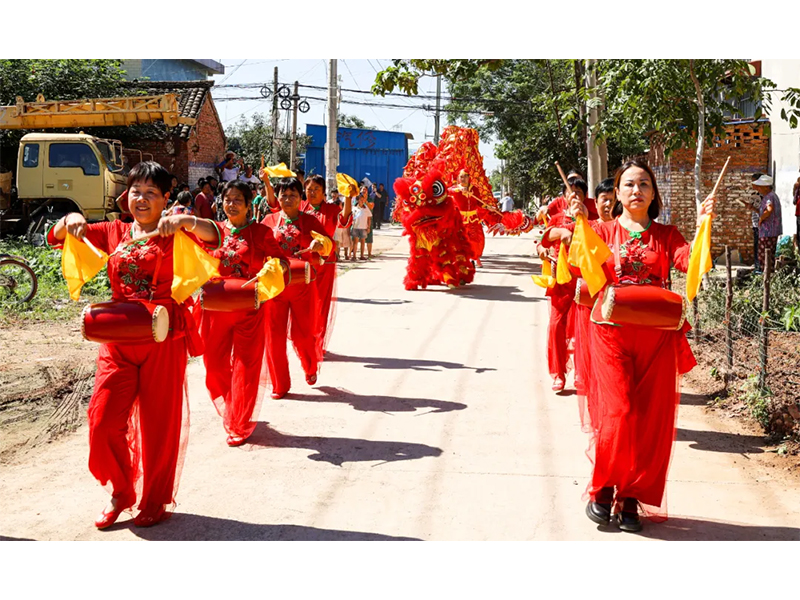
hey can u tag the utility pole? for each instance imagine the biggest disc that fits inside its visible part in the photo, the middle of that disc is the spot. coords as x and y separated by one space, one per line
295 100
275 142
436 116
331 147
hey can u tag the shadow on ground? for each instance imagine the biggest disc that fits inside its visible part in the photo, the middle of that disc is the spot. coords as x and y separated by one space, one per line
189 528
338 451
415 364
717 441
687 530
504 293
381 403
376 301
694 400
513 267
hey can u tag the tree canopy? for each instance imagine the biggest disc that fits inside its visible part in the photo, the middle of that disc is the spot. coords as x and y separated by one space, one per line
251 138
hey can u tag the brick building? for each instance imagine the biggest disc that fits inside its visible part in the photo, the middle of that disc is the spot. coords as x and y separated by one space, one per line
749 150
188 152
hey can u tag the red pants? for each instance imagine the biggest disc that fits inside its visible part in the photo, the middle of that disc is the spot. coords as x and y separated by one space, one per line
560 327
234 361
137 422
326 278
299 301
635 377
583 367
476 238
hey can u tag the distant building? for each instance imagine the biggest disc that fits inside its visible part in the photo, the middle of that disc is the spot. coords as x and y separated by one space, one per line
378 155
171 69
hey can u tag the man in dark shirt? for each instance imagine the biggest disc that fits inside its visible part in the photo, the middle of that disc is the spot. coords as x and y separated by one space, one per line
381 198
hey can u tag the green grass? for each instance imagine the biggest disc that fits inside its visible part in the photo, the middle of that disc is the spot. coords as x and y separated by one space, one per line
52 300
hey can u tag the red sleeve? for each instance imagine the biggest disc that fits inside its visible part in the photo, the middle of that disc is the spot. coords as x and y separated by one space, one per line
679 249
556 207
345 223
561 223
96 233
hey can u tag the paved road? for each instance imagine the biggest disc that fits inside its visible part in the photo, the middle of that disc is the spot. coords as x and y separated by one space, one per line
432 420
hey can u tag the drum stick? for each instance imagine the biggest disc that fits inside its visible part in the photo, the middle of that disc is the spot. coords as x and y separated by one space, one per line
92 247
721 175
563 178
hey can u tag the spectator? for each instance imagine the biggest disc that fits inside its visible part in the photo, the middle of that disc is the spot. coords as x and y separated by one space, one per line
507 203
301 176
755 205
183 206
248 176
174 190
204 200
212 181
381 202
769 220
231 168
259 198
362 221
335 198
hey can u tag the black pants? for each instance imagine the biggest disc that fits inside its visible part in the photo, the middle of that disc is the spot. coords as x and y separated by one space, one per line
378 215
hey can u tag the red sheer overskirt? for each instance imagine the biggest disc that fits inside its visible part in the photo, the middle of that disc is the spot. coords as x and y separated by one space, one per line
560 328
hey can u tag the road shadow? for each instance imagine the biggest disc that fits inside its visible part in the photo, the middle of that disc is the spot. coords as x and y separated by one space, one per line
717 441
503 293
5 538
415 364
338 451
376 301
694 400
381 403
514 267
684 529
185 527
567 392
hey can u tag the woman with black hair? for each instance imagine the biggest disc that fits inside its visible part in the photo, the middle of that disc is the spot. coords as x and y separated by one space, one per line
635 368
299 235
138 413
235 340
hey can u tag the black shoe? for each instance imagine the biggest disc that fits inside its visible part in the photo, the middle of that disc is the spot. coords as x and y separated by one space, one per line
629 521
599 513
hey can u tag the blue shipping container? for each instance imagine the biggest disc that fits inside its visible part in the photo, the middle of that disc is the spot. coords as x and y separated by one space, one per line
378 155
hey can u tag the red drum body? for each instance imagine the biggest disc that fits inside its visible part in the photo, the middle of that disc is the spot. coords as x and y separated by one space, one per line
228 295
300 272
125 322
582 296
643 305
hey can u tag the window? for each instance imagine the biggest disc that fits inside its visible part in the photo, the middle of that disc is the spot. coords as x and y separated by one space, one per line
74 155
30 156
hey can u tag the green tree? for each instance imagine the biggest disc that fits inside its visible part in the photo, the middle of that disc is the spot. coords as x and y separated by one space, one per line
252 138
351 121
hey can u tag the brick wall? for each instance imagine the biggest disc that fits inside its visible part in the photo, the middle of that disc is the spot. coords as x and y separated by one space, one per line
206 143
170 153
749 151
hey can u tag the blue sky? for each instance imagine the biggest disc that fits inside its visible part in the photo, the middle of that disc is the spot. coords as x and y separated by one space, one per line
356 74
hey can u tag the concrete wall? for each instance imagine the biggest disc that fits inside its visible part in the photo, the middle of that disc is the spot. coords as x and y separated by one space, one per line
785 142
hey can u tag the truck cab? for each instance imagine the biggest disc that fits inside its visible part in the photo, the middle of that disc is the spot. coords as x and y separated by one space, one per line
59 173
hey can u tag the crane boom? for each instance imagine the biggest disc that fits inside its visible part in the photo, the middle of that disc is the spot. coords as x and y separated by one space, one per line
96 112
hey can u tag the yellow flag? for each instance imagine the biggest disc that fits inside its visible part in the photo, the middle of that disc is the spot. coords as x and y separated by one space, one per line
562 267
327 244
588 252
270 280
280 170
79 263
546 279
348 187
700 260
191 267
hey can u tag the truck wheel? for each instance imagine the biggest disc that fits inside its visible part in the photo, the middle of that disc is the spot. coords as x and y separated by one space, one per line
38 228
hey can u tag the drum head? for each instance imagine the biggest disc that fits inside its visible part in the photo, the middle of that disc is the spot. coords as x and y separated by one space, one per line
160 324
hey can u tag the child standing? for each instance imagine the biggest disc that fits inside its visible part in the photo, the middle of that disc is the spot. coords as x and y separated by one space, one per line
362 221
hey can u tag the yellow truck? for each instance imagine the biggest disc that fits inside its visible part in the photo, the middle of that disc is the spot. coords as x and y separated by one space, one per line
59 173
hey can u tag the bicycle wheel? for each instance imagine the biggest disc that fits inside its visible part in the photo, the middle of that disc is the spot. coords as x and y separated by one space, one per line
18 282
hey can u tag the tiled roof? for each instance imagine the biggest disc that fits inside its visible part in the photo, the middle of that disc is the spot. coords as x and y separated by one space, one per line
191 96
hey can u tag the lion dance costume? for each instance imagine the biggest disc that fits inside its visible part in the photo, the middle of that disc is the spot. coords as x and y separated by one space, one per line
444 221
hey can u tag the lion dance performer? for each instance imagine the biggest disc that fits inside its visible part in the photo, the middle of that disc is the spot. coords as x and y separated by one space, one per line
138 413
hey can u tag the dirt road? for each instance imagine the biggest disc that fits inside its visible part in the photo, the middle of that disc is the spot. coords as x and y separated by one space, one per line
433 419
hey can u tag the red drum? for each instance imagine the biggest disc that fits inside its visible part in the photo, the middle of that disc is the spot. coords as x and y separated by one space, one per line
300 271
125 322
582 296
228 295
643 305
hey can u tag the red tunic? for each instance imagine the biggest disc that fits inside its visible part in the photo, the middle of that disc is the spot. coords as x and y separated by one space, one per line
473 214
235 341
138 413
560 206
299 301
329 215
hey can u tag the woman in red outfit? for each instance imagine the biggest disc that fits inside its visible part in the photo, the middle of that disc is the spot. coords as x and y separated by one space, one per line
235 341
330 215
636 369
473 214
293 229
138 414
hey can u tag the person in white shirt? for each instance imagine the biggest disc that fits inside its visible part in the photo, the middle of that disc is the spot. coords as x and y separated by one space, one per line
362 221
507 203
248 176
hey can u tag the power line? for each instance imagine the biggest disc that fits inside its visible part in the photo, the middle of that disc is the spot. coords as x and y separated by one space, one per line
234 71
